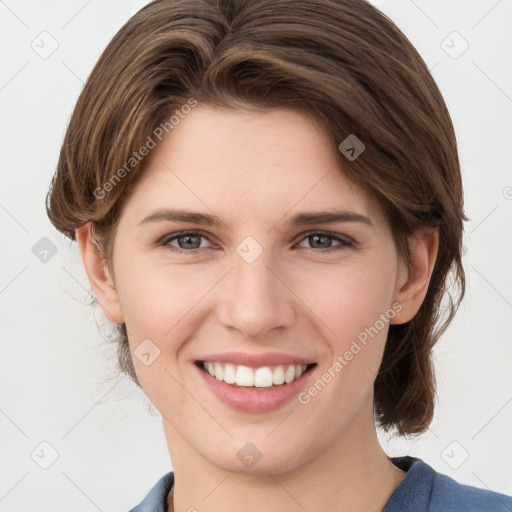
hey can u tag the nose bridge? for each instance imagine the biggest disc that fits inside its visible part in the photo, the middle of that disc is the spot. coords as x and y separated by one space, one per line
255 299
253 278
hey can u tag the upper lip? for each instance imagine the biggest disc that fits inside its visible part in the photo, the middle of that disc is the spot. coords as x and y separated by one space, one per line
256 360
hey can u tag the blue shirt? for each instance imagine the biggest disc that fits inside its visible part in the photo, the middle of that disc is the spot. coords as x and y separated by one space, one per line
422 490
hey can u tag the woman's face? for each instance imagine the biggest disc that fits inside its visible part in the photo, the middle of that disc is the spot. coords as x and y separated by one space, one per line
265 279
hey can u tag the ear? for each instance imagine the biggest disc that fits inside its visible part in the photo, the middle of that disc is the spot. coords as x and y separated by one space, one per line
99 274
412 282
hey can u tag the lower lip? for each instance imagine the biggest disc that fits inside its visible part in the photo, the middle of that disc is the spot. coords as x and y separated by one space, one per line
253 400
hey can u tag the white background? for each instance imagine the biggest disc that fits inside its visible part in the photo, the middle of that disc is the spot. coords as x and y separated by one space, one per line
58 379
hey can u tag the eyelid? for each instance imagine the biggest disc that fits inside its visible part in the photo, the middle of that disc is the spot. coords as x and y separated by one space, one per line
345 238
170 236
344 241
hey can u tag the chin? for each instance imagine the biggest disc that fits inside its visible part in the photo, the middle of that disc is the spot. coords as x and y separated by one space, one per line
250 460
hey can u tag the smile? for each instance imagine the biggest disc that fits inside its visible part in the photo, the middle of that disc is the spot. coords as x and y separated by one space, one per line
264 377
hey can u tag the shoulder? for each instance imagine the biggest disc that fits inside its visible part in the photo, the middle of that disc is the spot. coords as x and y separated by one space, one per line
447 494
156 499
431 491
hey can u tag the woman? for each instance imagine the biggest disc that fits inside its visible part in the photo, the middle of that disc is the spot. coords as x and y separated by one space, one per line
268 203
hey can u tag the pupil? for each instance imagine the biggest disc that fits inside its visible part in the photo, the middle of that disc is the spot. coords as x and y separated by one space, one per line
317 237
187 239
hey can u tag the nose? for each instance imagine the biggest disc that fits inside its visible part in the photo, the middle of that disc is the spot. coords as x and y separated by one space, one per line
255 298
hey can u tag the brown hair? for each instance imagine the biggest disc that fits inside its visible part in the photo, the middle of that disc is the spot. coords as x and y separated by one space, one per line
344 63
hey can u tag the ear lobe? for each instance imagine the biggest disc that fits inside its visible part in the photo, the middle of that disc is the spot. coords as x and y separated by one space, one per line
98 274
413 288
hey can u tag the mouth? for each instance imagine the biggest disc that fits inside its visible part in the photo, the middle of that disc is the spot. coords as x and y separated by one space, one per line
264 378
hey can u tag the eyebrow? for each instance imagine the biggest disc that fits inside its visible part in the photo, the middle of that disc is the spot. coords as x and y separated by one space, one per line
300 219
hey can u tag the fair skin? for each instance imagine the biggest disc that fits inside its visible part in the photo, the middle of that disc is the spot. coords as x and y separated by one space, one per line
255 171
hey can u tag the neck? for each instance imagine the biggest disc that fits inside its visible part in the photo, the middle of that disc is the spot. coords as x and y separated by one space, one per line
352 474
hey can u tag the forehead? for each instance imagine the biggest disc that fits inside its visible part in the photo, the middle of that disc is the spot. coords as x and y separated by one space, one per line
247 164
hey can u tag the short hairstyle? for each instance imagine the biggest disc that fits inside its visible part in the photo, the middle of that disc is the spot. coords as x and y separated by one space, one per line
343 63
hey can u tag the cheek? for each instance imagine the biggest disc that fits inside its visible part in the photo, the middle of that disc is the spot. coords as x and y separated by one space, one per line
162 303
349 298
156 294
157 311
354 305
351 304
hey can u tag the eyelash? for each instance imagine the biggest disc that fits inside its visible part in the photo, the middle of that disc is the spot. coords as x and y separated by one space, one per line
344 242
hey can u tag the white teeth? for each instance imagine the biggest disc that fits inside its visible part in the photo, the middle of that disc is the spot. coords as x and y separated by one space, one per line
219 371
278 376
229 374
244 376
264 377
211 369
289 376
